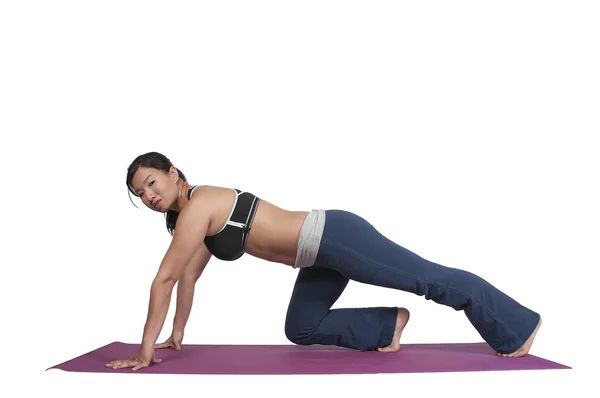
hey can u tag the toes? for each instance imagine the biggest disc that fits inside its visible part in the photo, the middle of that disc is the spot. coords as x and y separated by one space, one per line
515 354
388 349
520 353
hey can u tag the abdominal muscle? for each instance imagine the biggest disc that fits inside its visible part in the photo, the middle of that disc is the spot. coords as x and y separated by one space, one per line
274 233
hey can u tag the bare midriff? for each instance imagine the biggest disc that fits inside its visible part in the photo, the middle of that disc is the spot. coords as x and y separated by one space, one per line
274 233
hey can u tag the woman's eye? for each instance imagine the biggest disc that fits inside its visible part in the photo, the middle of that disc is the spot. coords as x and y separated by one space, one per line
151 183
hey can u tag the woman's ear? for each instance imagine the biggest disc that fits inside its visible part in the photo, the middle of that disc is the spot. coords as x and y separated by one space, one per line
174 173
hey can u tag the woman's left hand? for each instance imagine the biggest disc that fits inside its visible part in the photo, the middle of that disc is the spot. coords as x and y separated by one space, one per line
141 359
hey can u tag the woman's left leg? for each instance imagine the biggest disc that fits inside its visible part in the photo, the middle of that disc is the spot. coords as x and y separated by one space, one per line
355 249
310 319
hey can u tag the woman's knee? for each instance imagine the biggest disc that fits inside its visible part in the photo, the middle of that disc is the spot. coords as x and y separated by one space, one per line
299 330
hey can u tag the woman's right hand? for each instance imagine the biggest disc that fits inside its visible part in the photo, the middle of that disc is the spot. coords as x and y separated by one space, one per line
172 342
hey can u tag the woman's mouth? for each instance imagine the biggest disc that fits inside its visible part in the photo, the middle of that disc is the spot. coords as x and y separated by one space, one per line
156 204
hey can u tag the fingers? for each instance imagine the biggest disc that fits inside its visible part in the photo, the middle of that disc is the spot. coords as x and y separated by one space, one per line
121 364
139 366
168 345
136 365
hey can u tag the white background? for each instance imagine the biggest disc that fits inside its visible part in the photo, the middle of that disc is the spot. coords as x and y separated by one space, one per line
465 132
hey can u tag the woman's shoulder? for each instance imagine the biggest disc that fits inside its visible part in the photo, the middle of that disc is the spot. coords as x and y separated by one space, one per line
210 191
211 197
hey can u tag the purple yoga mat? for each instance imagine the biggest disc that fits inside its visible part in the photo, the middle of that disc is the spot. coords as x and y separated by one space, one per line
316 359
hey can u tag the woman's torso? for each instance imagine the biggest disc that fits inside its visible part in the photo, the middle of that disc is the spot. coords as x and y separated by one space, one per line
274 232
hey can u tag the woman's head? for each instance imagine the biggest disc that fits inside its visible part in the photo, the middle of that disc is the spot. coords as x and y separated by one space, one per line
153 178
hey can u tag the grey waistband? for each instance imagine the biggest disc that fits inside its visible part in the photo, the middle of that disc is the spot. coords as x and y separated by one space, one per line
310 238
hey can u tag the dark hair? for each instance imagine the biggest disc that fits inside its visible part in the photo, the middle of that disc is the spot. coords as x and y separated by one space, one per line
157 161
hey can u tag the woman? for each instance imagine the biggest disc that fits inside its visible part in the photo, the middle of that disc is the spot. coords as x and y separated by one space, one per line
328 247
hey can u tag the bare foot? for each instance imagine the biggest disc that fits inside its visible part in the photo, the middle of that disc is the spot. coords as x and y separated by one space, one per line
521 352
401 321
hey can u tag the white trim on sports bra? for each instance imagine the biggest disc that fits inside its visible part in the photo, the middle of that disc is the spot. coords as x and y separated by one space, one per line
228 222
191 193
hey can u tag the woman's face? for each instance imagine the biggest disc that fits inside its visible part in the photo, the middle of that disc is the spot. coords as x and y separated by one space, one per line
157 189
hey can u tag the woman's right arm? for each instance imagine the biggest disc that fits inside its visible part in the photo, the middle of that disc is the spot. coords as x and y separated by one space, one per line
186 287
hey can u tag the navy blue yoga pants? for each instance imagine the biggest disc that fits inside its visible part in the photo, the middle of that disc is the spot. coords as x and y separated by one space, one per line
352 249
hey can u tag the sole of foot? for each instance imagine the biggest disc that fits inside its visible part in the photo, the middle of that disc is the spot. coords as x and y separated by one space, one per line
401 321
524 350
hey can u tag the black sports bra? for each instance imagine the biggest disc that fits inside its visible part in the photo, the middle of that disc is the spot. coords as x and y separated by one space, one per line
230 242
